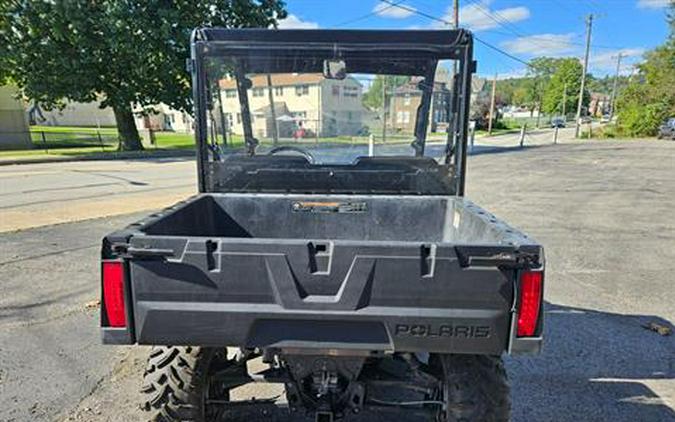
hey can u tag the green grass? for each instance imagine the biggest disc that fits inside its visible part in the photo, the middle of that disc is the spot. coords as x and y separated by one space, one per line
71 129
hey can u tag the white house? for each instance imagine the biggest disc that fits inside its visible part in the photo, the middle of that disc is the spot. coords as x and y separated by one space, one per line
163 117
14 132
301 100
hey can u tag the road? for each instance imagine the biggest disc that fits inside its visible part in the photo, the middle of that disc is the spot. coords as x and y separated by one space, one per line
603 210
33 195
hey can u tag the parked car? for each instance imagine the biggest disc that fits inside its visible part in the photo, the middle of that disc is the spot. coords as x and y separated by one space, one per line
586 120
667 130
558 122
371 283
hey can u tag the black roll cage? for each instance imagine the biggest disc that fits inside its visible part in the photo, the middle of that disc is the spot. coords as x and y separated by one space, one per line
425 46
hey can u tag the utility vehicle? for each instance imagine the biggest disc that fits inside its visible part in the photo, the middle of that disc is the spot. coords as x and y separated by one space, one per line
348 271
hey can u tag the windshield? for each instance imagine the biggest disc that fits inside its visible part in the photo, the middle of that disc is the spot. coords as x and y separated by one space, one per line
333 110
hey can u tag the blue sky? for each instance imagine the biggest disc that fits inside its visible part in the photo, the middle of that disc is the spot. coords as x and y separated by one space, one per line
525 29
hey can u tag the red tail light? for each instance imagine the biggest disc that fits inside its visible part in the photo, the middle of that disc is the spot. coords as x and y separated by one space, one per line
113 293
530 302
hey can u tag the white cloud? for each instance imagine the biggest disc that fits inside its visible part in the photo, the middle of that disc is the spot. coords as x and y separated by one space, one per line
388 11
605 62
652 4
541 45
294 22
480 17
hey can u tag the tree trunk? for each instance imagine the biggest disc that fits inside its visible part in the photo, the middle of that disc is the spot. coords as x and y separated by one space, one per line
129 140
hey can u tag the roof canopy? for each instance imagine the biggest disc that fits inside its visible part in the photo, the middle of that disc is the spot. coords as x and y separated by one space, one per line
323 44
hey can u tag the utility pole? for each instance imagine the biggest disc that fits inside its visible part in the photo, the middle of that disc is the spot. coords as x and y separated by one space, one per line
564 104
455 68
492 104
273 114
612 100
384 108
589 27
455 22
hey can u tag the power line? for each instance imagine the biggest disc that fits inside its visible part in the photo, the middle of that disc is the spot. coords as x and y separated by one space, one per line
437 19
509 25
367 15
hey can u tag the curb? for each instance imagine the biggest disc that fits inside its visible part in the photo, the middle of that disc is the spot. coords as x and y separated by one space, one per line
144 155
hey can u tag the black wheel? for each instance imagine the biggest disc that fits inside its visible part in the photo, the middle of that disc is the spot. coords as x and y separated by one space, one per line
176 383
474 388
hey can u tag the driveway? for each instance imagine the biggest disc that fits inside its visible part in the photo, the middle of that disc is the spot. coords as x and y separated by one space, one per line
603 210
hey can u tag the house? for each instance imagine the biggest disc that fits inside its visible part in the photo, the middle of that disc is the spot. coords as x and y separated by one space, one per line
599 105
14 133
75 114
408 97
161 117
158 117
307 101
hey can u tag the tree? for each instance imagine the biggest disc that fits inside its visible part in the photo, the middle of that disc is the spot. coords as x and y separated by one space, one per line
650 96
542 70
567 77
372 98
120 52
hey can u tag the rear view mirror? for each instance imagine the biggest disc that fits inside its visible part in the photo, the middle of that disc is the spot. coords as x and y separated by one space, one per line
334 69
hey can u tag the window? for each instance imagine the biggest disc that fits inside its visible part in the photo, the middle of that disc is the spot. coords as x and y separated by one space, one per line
349 116
351 91
336 90
230 93
238 118
406 99
403 117
278 91
301 90
258 92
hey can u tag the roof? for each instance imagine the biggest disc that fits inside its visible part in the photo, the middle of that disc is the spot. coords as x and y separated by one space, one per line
278 79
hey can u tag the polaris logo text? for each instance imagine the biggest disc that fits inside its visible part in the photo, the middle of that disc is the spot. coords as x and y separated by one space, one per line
455 331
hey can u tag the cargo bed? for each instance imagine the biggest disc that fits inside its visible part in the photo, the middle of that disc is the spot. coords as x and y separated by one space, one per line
357 272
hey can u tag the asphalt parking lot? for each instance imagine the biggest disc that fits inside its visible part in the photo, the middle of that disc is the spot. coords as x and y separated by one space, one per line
604 211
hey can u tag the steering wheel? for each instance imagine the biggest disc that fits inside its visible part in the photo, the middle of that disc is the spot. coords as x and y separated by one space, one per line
300 151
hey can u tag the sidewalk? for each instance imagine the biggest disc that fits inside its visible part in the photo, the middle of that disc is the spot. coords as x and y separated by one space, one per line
97 156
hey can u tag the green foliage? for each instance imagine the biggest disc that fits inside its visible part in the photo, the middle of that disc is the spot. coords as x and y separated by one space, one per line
517 91
649 99
564 84
120 52
373 97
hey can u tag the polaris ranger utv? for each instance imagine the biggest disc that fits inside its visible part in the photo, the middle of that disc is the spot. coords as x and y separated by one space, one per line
355 276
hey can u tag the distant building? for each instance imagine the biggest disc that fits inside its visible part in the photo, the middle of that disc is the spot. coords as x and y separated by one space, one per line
407 99
599 105
162 117
77 114
304 101
14 132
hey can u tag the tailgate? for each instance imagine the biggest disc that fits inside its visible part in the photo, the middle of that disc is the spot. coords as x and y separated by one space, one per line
385 296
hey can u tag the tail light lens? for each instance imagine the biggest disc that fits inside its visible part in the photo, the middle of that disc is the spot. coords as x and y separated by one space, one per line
113 293
530 302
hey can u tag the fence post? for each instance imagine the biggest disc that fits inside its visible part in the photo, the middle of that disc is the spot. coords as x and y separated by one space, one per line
371 141
522 134
100 140
590 129
44 141
555 136
472 135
